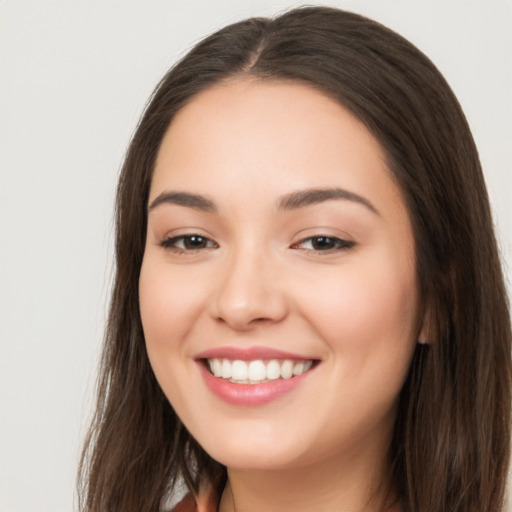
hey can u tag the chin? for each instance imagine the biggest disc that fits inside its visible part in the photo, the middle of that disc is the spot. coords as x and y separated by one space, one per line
250 448
249 458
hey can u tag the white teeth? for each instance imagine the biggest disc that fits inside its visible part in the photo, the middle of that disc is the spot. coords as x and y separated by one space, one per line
239 370
226 369
257 371
216 367
298 368
273 370
287 369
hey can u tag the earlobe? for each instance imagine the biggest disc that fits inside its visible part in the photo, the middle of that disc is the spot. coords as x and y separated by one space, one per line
425 334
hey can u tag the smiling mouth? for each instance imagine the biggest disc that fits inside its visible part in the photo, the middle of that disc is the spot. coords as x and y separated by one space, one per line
258 371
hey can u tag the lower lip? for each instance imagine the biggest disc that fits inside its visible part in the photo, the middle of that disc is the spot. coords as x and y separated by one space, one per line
250 394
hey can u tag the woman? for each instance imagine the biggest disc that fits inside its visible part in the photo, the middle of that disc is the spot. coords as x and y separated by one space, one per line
308 311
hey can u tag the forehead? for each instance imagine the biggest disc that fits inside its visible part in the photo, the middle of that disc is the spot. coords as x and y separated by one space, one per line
251 136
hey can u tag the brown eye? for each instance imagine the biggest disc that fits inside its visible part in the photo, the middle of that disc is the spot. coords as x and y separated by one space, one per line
188 243
195 242
324 243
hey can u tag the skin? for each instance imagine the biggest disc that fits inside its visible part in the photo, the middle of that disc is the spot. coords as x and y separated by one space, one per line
258 280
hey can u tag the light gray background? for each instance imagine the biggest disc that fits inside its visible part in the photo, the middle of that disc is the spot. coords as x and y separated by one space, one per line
74 78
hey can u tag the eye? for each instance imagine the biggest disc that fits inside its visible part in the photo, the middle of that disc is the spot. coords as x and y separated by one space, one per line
191 242
323 243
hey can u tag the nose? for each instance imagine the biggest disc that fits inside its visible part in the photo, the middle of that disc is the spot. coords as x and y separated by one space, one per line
249 292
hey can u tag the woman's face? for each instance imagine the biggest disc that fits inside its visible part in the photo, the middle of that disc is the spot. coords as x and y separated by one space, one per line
280 257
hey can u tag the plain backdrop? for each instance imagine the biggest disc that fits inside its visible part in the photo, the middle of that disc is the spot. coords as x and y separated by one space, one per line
75 76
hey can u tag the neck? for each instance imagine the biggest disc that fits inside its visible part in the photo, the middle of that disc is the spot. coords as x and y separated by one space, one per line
349 487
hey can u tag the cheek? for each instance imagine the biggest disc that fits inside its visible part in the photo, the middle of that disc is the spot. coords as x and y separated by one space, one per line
169 304
368 323
364 308
168 310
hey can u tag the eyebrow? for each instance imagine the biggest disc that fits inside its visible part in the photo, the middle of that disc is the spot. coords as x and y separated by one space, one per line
309 197
292 201
195 201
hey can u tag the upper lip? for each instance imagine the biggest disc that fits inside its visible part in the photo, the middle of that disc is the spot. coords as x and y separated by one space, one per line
249 354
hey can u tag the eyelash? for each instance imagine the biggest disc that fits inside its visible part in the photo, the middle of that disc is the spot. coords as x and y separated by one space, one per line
173 243
336 244
179 243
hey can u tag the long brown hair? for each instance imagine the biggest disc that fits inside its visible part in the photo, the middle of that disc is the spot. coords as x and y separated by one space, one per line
450 448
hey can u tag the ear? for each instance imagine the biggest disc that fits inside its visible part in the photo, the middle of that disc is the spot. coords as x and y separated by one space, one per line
422 339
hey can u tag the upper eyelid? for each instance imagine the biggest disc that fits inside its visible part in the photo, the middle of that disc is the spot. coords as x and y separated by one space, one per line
342 244
166 241
179 233
325 235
